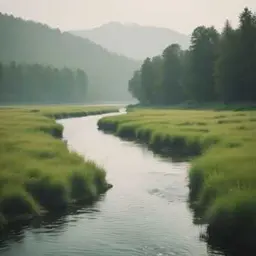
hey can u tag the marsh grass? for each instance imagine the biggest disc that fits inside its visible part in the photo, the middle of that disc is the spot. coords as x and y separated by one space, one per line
222 178
37 172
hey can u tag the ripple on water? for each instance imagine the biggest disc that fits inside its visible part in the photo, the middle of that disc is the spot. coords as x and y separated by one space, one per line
144 214
170 194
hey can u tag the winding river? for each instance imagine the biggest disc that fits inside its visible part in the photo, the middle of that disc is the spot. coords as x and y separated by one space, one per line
146 212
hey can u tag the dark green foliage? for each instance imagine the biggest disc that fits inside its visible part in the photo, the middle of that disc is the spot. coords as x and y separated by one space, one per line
247 56
21 83
134 86
79 187
147 81
233 225
16 202
202 56
227 65
43 189
172 75
216 68
236 64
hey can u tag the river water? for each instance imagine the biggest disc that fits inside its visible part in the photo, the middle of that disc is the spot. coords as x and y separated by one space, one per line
146 212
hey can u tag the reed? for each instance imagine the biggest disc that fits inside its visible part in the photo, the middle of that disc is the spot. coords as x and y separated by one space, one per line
221 147
37 171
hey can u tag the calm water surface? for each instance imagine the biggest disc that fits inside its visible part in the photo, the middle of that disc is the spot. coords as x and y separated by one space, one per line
146 212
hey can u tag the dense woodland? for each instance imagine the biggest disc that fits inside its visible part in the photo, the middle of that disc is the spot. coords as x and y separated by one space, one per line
27 84
29 42
216 67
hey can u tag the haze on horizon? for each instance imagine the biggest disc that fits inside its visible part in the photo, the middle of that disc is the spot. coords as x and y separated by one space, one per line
182 15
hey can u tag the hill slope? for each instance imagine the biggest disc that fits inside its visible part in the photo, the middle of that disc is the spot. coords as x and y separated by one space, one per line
134 41
30 42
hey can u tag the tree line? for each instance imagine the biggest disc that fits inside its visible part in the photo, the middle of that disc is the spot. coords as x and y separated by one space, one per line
216 67
23 83
107 72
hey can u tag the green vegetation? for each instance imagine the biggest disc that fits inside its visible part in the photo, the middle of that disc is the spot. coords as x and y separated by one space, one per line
222 178
215 68
61 111
39 84
37 172
34 43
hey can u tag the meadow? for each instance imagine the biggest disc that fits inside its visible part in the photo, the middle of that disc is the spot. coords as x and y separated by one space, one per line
221 146
38 174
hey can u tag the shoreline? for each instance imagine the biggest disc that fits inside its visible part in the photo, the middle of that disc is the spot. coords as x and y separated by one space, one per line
200 150
31 199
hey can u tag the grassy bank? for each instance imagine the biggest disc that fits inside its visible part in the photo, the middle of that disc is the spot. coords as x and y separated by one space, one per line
37 172
222 178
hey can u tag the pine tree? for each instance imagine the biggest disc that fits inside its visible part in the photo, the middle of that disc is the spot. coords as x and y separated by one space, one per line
172 75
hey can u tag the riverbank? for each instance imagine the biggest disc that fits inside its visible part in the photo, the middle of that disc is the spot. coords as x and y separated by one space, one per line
37 172
222 178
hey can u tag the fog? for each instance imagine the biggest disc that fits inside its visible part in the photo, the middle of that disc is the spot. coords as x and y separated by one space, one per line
182 15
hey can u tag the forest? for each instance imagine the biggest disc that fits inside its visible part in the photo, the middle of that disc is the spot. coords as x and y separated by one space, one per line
217 67
37 84
29 42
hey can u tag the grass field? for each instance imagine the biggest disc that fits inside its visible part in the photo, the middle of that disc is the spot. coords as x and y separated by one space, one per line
222 178
37 172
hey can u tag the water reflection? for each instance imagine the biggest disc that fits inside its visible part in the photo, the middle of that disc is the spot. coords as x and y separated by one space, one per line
146 212
172 194
12 234
215 246
168 156
52 224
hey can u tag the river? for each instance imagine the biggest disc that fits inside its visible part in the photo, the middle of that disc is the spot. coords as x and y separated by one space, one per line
146 212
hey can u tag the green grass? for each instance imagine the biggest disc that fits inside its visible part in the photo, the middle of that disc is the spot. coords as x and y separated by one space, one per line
222 145
37 172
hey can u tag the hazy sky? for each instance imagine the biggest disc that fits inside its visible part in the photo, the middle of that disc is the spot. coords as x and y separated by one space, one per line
181 15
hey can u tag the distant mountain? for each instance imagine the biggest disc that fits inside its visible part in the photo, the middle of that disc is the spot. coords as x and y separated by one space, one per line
29 42
132 40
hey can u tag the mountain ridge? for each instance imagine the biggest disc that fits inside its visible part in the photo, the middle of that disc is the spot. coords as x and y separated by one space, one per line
133 40
31 42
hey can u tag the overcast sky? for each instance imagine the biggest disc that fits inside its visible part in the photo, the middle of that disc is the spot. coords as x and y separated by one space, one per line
180 15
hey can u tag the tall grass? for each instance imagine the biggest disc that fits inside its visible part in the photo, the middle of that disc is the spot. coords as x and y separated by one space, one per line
222 178
37 172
